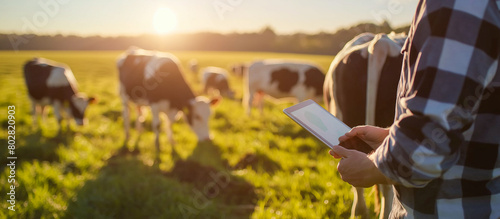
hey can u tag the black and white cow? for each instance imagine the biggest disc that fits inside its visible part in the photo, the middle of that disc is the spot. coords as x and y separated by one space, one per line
239 69
216 79
360 88
155 79
52 83
193 66
282 79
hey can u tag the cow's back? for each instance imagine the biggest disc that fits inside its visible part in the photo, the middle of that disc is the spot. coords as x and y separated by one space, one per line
153 78
357 45
173 86
217 81
351 77
36 77
349 71
47 79
279 78
350 87
215 77
132 73
385 106
314 79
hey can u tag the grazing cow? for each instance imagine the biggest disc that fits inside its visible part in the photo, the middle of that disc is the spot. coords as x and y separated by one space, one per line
360 88
193 66
239 69
155 79
282 79
52 83
215 79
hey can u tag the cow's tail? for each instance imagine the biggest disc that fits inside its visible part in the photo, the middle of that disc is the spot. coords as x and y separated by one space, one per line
246 90
327 89
326 98
378 202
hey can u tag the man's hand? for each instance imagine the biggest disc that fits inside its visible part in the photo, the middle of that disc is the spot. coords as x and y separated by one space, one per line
372 135
356 168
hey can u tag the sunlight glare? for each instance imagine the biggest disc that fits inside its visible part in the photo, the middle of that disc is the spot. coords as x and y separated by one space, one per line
164 21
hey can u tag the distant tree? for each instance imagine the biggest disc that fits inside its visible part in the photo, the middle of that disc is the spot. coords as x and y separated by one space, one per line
265 39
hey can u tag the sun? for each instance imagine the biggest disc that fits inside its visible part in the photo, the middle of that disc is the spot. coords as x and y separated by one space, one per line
164 20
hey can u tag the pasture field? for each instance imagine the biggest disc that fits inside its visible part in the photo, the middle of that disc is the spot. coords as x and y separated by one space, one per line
263 166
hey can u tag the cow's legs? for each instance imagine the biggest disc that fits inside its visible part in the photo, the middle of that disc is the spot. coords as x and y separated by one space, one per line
156 125
34 112
359 205
205 89
43 112
140 119
247 101
386 200
170 119
260 101
126 120
247 94
57 113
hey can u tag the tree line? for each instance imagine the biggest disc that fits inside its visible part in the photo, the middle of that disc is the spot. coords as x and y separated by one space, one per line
265 40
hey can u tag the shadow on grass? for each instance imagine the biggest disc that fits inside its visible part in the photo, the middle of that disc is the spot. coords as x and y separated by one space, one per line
127 188
211 177
293 130
199 187
35 146
126 149
113 115
258 162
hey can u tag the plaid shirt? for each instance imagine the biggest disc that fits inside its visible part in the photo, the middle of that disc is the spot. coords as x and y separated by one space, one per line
443 150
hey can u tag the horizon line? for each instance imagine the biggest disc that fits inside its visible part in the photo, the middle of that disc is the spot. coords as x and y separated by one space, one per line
194 32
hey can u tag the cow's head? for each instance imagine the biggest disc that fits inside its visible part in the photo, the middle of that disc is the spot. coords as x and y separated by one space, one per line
78 106
198 116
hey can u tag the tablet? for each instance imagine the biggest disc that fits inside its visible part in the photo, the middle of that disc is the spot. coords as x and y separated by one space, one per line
325 126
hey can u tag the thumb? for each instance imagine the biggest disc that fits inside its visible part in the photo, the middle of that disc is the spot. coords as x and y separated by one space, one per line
343 152
358 130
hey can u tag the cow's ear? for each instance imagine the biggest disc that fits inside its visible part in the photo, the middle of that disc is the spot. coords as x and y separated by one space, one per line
215 101
92 100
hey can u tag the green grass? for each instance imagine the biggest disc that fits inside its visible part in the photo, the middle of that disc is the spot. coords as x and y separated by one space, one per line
256 167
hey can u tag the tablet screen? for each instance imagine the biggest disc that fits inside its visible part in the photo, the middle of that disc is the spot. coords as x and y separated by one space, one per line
318 121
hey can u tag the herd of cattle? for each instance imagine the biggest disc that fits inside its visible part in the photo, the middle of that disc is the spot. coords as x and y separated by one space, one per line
359 88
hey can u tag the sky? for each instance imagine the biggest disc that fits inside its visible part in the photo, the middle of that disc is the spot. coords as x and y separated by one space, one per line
136 17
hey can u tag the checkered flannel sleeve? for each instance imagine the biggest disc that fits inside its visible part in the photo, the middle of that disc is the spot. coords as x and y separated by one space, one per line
451 60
